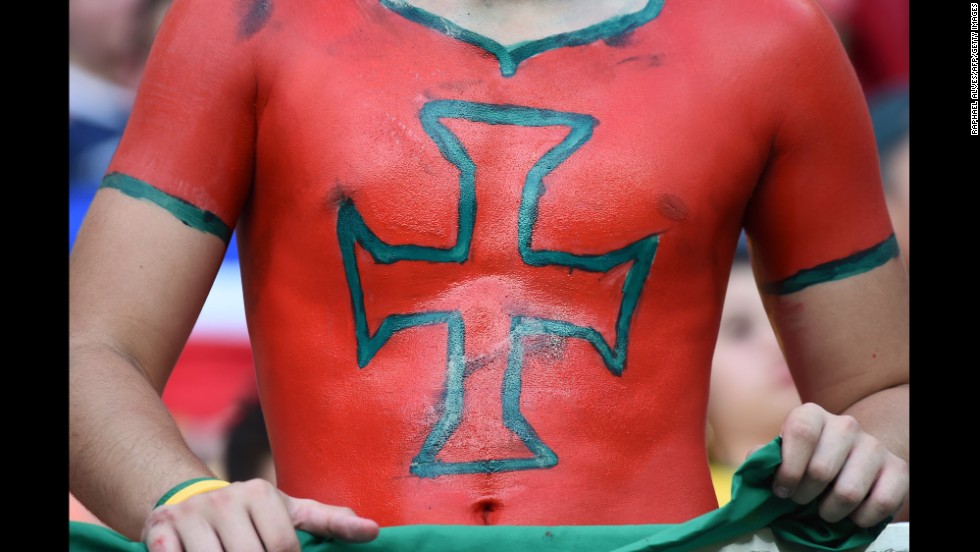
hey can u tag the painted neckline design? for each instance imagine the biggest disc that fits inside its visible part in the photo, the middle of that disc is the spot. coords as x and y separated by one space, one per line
510 57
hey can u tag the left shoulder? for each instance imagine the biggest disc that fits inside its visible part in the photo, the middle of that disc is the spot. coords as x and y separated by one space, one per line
794 39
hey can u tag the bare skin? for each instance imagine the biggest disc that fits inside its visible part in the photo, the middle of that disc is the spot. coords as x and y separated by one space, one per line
124 343
139 277
510 22
856 331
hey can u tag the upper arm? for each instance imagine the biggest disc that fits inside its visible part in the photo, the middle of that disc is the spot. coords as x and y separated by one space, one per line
822 243
847 339
137 280
155 233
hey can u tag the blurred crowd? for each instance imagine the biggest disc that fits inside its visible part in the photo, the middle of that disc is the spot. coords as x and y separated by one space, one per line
107 47
212 393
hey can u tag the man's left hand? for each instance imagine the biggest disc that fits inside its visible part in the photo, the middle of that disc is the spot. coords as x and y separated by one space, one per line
826 452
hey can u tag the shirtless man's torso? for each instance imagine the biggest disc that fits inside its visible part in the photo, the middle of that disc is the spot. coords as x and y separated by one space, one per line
483 281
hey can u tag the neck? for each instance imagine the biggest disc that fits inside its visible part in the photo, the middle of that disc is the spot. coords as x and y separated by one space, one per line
513 21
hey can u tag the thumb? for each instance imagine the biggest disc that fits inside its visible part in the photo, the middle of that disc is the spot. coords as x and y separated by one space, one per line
330 521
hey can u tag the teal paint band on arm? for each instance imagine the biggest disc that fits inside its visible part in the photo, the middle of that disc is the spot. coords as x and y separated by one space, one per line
852 265
189 214
180 487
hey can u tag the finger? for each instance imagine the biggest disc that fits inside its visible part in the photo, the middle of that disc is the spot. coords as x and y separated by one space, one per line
162 538
888 494
158 532
855 479
832 450
271 520
332 521
801 432
223 514
251 515
236 532
196 534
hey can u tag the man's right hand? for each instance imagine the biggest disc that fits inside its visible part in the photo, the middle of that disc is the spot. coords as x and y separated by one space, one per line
248 516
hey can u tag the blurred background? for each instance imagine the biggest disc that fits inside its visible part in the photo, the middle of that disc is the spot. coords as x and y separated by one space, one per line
212 393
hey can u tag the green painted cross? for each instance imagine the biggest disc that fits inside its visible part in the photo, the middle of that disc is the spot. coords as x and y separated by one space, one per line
353 231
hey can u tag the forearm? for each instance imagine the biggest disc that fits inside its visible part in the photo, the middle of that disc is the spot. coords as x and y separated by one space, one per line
125 449
885 415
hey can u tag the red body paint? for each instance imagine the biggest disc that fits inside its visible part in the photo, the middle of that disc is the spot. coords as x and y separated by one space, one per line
322 104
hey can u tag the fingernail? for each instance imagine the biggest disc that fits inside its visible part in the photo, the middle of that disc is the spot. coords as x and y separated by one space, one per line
782 492
366 530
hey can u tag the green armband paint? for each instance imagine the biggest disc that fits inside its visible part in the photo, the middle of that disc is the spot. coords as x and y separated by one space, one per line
187 213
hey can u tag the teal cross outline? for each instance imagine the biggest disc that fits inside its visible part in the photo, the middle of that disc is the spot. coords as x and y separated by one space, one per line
352 230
